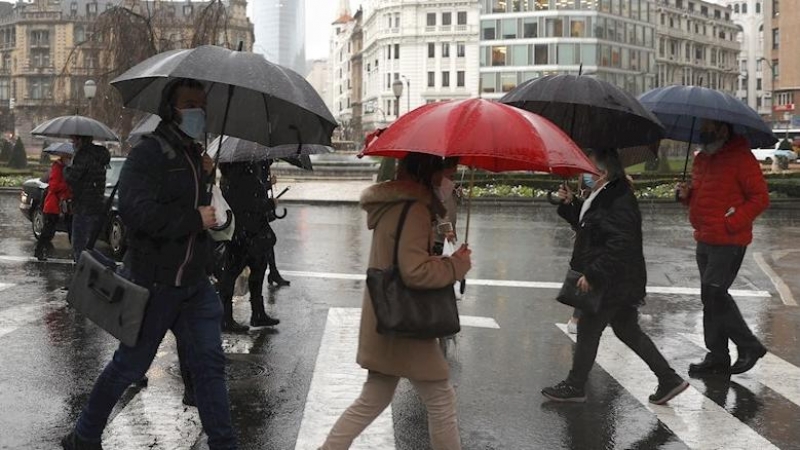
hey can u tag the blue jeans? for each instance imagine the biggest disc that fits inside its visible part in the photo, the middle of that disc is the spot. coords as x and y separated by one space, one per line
193 314
82 228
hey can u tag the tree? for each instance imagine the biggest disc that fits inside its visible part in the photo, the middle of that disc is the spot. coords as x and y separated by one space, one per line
127 34
5 150
19 158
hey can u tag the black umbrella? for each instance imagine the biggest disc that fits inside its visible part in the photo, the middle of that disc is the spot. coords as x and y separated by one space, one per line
233 149
68 126
682 108
248 96
594 113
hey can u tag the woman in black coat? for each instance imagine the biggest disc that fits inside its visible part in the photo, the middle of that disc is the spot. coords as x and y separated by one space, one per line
608 252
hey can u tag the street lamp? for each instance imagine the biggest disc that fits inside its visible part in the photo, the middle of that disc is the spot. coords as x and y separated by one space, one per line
89 91
408 92
772 88
397 88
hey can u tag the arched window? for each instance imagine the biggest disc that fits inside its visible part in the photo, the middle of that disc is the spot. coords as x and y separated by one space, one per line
761 34
744 8
736 8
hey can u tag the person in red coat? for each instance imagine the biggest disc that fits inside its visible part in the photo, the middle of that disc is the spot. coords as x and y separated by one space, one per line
57 191
727 193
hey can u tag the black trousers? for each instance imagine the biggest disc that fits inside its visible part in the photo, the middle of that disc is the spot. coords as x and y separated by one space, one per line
246 250
624 321
722 320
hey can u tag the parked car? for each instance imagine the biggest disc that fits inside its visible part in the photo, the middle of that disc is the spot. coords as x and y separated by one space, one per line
767 155
32 201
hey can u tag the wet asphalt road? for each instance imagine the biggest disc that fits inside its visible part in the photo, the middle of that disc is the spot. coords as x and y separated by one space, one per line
50 356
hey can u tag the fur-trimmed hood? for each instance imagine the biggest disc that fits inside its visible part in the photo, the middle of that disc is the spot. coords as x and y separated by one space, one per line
378 198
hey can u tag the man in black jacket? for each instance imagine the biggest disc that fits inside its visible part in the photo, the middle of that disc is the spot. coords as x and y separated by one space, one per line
86 176
162 194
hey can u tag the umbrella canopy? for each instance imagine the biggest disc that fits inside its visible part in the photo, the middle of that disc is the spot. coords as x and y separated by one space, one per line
682 108
594 113
240 150
68 126
60 148
268 104
483 134
145 126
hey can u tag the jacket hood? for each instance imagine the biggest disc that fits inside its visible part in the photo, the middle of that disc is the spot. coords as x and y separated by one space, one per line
379 198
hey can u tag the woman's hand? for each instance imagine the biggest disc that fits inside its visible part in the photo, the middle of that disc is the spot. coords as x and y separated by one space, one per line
565 194
464 256
583 285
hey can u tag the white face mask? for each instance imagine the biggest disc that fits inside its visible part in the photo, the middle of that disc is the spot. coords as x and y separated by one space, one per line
446 188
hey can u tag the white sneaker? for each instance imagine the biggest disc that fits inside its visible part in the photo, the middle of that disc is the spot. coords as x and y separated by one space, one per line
572 326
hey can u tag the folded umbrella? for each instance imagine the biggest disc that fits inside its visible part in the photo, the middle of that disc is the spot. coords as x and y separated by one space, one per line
594 113
68 126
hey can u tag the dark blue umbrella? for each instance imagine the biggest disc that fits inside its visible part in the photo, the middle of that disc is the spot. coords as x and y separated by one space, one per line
681 109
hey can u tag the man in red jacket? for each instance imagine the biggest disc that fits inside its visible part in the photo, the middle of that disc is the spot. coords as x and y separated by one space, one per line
727 193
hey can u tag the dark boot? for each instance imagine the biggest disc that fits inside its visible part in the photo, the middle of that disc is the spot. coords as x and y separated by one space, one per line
73 442
228 324
259 317
275 276
40 251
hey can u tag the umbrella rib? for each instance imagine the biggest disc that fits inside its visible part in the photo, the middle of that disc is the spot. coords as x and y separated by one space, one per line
269 121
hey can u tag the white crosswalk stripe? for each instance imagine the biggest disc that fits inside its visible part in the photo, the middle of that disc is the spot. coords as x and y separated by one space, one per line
771 371
691 416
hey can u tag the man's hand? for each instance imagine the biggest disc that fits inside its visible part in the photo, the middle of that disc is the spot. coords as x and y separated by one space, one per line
683 190
208 164
209 215
583 285
565 194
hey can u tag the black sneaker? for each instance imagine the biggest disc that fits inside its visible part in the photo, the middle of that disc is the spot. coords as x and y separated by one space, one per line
564 392
261 321
73 442
668 390
710 366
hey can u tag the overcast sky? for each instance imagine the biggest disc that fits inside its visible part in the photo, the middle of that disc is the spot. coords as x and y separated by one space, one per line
319 16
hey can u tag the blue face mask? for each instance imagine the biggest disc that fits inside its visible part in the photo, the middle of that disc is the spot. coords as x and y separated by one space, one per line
588 181
193 122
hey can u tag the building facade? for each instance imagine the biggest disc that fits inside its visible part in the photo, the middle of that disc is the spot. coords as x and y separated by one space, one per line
748 15
318 78
280 34
340 68
48 54
782 47
523 39
697 45
431 46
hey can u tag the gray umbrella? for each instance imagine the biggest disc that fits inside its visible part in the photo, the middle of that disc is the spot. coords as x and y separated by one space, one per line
248 96
145 126
240 150
68 126
60 148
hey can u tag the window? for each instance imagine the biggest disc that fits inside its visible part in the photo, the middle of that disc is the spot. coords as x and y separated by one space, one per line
461 49
388 81
499 6
431 79
79 34
488 82
577 28
555 27
744 8
445 79
540 54
445 49
431 50
462 18
520 55
736 8
508 81
187 10
39 88
91 9
509 28
5 89
40 38
396 51
447 18
431 19
73 8
758 7
758 84
489 30
460 79
530 28
499 56
40 58
397 20
776 38
7 61
567 54
775 8
775 69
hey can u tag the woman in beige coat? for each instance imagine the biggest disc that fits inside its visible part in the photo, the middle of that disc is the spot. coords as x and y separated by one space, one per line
388 358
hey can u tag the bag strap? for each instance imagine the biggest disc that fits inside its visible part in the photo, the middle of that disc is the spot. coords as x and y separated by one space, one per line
400 224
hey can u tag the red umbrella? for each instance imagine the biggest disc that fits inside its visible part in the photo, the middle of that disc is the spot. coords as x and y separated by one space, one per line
483 134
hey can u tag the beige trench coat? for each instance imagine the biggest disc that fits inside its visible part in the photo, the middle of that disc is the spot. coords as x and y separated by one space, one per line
416 359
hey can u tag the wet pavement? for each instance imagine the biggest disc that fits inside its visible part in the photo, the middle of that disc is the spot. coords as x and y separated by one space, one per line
280 381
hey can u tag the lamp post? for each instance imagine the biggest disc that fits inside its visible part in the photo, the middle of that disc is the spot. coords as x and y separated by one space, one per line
772 89
89 91
397 89
408 93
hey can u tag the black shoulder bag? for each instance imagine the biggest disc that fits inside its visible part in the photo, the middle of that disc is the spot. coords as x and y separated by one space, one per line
410 313
102 294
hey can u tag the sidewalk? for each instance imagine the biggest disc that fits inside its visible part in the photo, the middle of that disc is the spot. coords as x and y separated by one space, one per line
322 192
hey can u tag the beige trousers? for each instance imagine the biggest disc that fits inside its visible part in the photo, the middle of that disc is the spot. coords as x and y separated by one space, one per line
439 399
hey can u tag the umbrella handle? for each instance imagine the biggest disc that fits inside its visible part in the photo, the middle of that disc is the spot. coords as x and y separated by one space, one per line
281 216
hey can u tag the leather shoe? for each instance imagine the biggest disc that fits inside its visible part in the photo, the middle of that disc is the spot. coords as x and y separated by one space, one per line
747 359
710 366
